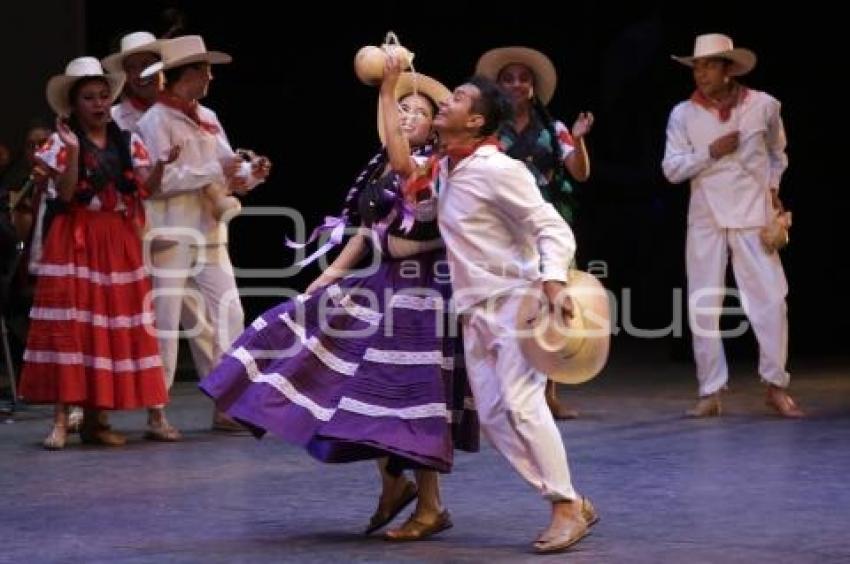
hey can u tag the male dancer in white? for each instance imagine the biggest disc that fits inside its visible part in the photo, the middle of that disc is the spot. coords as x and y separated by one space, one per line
728 140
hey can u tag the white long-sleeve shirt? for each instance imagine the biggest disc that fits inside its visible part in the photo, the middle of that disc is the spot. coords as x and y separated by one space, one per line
730 192
126 116
500 234
202 157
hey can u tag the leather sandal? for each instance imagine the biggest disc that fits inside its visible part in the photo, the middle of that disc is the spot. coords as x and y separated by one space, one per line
588 511
381 517
415 530
57 438
707 406
783 403
570 534
165 432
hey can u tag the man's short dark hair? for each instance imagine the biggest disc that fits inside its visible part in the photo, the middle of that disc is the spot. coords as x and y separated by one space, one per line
492 103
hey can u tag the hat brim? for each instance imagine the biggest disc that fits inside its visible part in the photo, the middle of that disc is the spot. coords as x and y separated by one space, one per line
743 60
210 57
408 83
115 62
545 77
59 86
569 355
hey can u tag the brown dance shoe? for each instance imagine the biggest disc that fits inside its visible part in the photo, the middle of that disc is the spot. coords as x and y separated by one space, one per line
415 530
566 536
778 399
707 406
383 515
588 511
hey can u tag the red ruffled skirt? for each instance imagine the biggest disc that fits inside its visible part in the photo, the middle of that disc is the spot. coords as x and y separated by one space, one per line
91 340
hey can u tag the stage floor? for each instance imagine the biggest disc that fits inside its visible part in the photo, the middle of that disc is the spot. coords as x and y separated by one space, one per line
747 487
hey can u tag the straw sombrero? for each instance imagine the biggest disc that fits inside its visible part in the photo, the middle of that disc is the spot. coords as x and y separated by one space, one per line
568 354
59 86
717 45
545 77
132 43
185 50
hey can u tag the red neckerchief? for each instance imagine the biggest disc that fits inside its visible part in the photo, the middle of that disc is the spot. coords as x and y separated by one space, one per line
418 186
190 109
724 108
420 183
457 154
140 104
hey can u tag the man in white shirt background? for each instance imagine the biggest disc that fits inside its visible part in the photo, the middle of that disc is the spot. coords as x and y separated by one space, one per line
189 242
729 142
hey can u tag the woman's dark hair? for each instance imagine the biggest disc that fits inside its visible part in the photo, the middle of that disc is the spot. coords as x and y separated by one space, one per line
126 182
492 103
548 122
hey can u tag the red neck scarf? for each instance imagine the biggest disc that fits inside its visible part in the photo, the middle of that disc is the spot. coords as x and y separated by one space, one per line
140 104
190 109
457 154
424 178
724 108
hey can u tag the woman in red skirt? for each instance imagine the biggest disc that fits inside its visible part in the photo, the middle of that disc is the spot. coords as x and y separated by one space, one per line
91 341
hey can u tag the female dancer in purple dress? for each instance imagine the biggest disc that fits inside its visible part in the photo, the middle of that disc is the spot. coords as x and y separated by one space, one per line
368 364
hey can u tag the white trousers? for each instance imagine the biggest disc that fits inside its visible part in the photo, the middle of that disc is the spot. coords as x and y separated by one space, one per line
510 399
195 287
762 287
193 318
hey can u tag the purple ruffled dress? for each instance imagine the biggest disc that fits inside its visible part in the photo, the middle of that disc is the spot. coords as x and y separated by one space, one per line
369 366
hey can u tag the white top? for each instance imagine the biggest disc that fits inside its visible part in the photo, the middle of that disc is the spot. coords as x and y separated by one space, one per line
126 116
499 233
199 165
733 191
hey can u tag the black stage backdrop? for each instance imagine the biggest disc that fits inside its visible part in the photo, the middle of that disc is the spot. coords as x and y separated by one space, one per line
291 94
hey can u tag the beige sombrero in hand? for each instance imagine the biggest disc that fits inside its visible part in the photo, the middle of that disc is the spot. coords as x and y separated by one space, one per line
568 354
